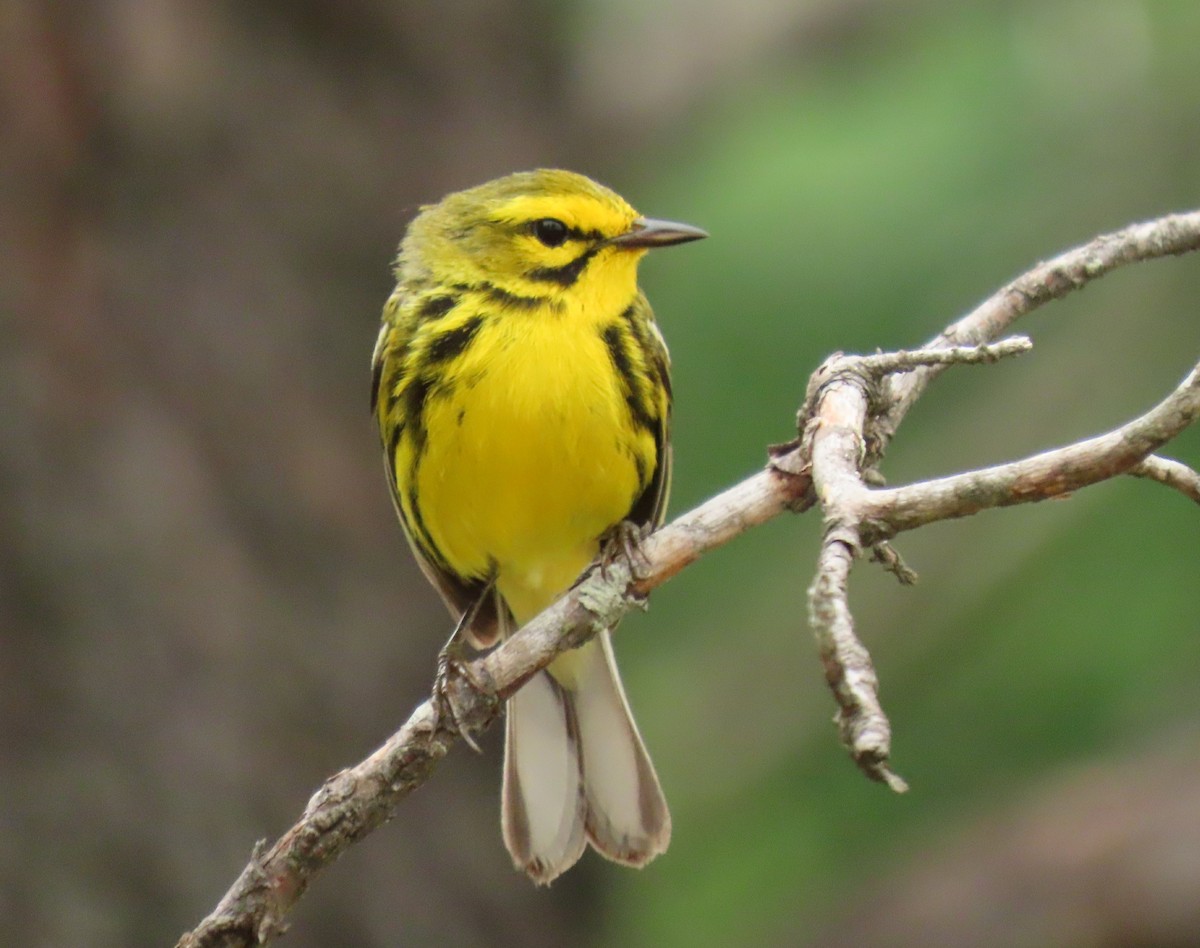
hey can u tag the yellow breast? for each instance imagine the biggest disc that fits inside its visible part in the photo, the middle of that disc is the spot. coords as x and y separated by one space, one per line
530 455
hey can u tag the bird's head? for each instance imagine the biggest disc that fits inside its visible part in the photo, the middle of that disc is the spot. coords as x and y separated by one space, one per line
539 234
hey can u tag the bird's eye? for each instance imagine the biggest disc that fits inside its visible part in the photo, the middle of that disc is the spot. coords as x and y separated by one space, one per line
550 231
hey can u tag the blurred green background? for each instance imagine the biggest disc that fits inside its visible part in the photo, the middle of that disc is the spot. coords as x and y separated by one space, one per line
206 606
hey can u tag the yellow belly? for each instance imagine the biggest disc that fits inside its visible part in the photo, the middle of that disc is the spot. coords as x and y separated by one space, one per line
529 457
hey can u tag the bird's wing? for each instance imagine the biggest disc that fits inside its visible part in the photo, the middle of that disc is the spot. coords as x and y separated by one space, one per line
650 508
491 617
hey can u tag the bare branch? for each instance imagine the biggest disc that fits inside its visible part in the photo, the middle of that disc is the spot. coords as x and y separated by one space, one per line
1170 472
884 554
836 442
852 409
842 396
1166 236
1049 474
854 414
857 516
862 725
358 799
889 363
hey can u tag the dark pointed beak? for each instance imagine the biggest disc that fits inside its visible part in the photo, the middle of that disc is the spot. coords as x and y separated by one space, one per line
647 232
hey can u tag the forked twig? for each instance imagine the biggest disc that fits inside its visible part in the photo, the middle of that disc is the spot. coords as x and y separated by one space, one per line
852 410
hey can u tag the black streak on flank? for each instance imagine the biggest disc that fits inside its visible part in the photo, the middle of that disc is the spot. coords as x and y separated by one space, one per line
394 390
424 540
392 383
616 352
621 362
641 415
388 380
437 306
640 464
445 346
414 408
656 363
662 372
568 273
394 444
637 328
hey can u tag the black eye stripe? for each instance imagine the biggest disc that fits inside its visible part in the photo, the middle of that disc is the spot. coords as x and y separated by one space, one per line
560 233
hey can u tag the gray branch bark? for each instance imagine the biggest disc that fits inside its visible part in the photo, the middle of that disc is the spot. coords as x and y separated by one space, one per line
852 410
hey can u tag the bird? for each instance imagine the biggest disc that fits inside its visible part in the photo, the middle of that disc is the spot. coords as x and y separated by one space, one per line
523 397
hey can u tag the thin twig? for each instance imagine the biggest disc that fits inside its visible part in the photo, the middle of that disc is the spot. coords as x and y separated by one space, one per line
1170 472
843 396
836 440
886 556
1171 235
1044 475
889 363
854 413
861 723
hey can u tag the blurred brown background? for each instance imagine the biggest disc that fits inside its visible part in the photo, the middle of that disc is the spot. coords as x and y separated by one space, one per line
206 605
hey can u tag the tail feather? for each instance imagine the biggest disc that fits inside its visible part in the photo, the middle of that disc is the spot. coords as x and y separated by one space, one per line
575 767
627 816
542 802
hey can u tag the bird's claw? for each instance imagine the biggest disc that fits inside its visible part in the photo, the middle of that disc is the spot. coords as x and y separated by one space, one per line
625 538
449 663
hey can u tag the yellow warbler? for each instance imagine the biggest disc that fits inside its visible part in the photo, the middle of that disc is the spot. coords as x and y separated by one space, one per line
523 398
